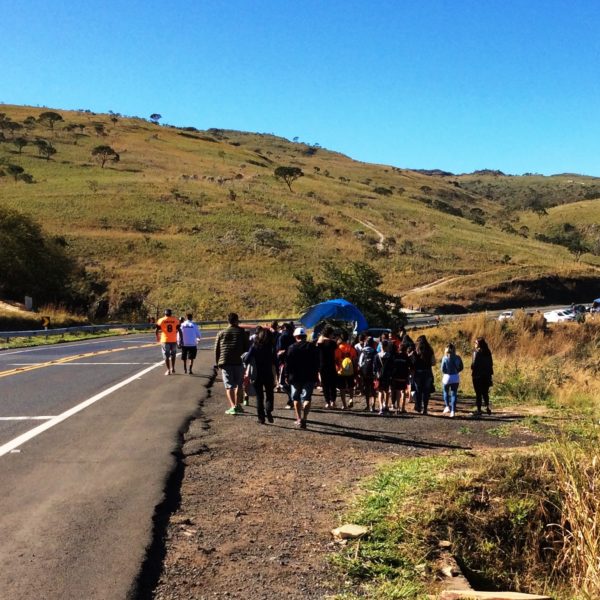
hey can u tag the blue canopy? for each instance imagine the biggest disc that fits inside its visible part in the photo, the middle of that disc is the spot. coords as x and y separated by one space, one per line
338 309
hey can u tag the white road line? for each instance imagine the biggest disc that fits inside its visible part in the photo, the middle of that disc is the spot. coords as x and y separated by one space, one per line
76 364
32 433
26 418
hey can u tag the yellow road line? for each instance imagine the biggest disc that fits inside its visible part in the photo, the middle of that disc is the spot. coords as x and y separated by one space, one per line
66 359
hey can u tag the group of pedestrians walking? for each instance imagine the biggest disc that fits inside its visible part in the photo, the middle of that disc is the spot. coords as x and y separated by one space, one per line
388 373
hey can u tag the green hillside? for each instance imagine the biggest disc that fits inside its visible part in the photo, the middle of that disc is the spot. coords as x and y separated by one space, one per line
191 218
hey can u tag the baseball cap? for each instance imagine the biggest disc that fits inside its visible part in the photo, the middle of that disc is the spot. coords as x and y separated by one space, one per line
299 331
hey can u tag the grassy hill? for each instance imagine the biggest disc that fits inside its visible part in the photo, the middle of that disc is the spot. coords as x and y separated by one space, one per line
191 218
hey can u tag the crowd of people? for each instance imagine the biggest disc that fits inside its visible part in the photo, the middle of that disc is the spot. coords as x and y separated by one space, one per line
388 374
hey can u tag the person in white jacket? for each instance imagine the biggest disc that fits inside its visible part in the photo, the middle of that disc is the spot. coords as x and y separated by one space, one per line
189 336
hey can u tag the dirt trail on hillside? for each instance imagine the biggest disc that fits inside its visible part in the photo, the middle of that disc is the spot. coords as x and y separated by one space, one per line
258 501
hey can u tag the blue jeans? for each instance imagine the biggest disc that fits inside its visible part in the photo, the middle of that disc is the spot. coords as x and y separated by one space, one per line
450 395
302 392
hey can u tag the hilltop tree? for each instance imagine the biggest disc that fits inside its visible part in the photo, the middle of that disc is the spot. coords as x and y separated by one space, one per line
105 153
49 119
155 118
288 174
29 122
20 143
47 150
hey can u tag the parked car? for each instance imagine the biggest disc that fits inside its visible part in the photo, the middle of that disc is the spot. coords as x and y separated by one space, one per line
559 316
376 332
507 314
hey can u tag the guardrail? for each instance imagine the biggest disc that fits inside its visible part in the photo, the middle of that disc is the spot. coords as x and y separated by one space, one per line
415 321
7 335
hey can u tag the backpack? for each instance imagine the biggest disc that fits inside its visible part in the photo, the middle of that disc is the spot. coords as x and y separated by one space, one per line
347 368
368 357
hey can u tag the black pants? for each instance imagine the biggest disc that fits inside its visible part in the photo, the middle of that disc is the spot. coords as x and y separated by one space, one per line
264 390
482 392
329 384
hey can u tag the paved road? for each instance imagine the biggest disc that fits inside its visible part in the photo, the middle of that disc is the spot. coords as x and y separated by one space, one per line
87 436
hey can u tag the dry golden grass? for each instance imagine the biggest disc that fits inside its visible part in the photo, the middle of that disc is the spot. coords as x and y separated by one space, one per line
178 218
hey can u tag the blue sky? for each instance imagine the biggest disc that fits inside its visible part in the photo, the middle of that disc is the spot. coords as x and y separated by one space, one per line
457 85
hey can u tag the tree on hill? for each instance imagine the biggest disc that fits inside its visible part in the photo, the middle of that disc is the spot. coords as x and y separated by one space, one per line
29 122
45 149
49 119
105 153
358 283
288 174
155 118
20 143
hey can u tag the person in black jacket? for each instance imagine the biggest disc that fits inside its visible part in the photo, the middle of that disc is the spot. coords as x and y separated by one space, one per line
262 358
482 369
302 365
327 347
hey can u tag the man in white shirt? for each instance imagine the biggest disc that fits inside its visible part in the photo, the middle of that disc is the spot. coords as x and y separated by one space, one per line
189 336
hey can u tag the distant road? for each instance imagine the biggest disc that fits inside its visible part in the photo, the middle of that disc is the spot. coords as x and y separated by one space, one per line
87 436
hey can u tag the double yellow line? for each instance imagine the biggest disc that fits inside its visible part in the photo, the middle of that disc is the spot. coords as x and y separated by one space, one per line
67 359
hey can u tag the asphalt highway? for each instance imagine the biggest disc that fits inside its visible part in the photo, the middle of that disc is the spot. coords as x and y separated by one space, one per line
88 432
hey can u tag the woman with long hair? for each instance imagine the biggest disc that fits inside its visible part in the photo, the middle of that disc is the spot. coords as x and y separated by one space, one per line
423 359
482 369
451 366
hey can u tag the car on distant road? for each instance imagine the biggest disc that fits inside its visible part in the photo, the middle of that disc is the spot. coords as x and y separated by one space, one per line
559 316
507 314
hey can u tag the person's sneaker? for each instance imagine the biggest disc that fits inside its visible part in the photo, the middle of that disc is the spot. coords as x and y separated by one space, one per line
270 418
260 421
190 372
173 372
303 424
246 400
168 373
446 410
231 411
288 407
381 412
350 403
425 411
298 423
452 414
488 410
238 409
184 369
327 405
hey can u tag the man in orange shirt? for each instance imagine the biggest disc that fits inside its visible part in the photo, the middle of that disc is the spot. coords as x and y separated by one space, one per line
166 334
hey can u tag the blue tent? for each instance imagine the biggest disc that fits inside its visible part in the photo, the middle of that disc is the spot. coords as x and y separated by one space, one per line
338 310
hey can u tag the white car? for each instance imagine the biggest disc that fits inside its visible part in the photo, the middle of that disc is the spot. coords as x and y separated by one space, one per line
559 316
507 314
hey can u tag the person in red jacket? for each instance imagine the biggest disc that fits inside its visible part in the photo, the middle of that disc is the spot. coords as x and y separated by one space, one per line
346 364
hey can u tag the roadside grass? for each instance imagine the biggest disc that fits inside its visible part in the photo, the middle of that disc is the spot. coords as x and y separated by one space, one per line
12 320
524 520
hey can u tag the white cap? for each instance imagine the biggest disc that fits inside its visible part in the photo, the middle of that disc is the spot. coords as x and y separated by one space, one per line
299 331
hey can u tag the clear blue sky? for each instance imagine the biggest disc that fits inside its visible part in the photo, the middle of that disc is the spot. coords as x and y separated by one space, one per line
451 84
